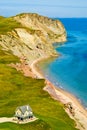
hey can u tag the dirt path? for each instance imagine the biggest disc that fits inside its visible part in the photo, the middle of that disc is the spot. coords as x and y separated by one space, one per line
6 119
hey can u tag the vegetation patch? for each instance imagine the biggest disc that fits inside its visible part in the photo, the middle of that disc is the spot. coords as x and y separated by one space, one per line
8 24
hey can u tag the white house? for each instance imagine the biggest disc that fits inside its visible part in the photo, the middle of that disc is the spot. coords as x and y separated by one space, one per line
23 112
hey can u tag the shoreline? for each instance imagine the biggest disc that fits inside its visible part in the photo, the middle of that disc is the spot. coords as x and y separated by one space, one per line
66 98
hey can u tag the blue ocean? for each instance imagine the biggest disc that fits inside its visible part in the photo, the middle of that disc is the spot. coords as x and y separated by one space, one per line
69 71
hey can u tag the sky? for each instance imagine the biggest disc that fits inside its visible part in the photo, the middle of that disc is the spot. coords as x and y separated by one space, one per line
50 8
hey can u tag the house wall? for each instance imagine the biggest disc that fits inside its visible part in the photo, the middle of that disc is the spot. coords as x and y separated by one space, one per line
18 112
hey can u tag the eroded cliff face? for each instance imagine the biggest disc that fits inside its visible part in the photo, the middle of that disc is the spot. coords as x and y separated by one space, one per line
34 38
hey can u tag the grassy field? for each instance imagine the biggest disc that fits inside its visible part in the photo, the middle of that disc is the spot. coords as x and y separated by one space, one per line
17 90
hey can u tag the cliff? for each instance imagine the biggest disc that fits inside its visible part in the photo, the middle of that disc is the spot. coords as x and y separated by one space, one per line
30 35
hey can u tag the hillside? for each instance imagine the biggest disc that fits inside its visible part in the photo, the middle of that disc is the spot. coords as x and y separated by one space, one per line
29 36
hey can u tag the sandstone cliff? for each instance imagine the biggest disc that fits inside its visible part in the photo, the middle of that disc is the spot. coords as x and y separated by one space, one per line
34 37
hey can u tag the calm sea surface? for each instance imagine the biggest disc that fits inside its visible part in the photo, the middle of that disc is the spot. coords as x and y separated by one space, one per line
69 71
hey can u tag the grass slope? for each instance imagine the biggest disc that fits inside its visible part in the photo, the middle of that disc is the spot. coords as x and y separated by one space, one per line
16 90
8 24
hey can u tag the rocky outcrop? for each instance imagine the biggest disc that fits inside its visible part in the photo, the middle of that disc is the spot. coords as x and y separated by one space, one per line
34 38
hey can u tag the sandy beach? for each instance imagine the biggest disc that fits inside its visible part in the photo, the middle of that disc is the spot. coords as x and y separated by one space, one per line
71 104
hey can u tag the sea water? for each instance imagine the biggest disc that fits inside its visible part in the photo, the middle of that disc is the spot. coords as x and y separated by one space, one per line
69 71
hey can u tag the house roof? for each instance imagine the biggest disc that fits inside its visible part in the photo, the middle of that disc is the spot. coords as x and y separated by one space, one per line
24 108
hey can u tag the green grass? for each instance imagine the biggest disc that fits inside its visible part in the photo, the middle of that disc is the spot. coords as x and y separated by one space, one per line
37 125
17 90
8 24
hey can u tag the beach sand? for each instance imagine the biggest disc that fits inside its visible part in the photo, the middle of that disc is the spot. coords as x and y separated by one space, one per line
71 104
